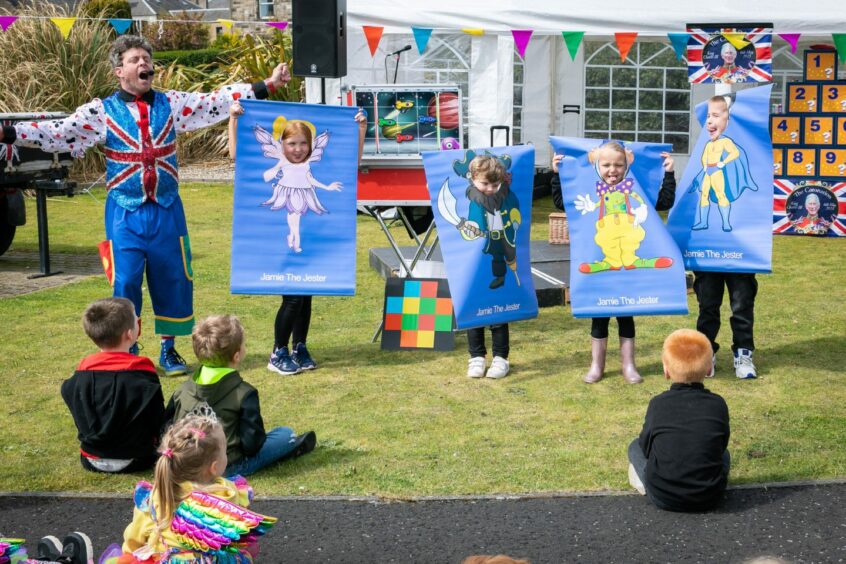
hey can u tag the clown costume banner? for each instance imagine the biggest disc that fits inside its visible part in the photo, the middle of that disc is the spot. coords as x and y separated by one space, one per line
722 218
482 202
622 260
293 225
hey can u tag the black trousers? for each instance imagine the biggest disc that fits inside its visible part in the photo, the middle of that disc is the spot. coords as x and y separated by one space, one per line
742 289
293 318
599 327
499 338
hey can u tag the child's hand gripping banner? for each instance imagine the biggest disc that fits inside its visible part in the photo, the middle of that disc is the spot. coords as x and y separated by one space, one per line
293 225
482 202
622 260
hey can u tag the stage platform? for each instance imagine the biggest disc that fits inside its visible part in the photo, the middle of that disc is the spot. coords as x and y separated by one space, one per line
550 268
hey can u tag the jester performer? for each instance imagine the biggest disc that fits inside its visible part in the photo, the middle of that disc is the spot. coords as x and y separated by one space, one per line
725 169
145 221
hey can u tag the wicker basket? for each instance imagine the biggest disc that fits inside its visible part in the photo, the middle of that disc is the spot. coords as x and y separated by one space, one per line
558 232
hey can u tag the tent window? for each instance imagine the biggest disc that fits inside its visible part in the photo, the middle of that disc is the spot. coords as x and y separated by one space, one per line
645 98
517 123
787 67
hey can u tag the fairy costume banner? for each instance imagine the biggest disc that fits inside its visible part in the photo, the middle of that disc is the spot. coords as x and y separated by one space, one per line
482 202
293 224
622 260
722 218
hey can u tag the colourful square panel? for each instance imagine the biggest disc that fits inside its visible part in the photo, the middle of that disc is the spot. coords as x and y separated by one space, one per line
427 305
425 339
820 65
409 322
833 162
785 129
429 289
801 162
443 322
834 98
393 322
841 131
393 304
778 161
412 289
444 306
426 323
819 130
411 305
408 339
802 98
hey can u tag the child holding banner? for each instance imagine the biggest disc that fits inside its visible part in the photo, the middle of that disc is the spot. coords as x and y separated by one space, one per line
611 167
294 315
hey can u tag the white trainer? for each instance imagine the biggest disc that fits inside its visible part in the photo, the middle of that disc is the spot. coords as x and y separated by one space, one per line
634 481
744 368
499 368
713 367
476 367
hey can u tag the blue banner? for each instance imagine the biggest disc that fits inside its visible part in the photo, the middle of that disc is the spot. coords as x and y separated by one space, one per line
293 224
484 221
722 218
622 260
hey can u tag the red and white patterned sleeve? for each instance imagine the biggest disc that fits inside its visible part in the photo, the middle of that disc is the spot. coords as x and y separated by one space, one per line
196 110
83 129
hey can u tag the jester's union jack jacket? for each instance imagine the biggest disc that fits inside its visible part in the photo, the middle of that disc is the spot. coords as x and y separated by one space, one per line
138 136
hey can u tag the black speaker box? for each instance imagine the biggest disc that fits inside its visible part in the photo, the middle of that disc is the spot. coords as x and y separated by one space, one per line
320 38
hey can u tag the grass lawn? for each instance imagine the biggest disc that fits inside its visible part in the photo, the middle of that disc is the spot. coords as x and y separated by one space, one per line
408 424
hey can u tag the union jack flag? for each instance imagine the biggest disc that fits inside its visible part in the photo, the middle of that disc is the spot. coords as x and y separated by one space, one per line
783 188
753 63
9 152
152 157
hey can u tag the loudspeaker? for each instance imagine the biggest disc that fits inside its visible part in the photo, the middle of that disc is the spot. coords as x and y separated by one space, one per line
320 38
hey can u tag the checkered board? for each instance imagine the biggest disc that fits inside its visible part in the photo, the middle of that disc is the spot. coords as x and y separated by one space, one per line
418 315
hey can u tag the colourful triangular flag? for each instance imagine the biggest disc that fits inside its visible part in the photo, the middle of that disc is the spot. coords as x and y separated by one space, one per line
521 40
625 40
421 37
573 39
737 39
278 25
792 39
840 44
6 21
473 30
64 25
679 41
120 25
226 23
373 34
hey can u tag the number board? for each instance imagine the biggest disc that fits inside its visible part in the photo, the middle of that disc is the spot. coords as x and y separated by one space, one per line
820 65
833 162
819 130
841 131
785 130
778 161
802 98
801 162
834 98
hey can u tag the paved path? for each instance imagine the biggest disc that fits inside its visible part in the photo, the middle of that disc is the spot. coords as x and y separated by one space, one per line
800 523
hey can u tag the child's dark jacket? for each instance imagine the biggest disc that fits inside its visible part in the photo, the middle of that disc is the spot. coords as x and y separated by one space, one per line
116 401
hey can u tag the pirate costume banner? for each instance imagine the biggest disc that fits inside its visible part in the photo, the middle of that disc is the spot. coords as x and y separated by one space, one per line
721 220
293 224
622 260
482 202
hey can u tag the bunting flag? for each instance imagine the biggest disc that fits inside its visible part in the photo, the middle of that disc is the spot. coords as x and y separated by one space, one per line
840 44
572 39
278 25
6 21
738 39
792 39
625 40
374 36
521 40
120 25
226 23
473 30
679 41
64 25
421 37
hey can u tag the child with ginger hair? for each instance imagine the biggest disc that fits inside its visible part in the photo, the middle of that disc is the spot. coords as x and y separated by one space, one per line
681 461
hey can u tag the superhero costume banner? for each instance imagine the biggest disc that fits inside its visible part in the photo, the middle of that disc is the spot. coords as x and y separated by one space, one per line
484 221
622 260
722 218
293 224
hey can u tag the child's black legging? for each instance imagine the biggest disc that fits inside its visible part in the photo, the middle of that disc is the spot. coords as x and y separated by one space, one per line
292 319
599 327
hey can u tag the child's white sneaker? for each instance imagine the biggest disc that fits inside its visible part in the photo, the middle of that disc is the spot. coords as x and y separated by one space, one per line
499 368
476 367
634 481
743 365
713 367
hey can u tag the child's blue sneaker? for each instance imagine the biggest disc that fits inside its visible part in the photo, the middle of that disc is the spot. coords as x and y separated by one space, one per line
282 363
743 366
170 360
300 356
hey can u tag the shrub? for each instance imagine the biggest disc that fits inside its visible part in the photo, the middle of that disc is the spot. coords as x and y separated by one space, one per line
178 33
194 58
105 9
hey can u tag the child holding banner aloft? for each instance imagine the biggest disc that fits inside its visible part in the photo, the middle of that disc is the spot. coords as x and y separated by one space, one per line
611 163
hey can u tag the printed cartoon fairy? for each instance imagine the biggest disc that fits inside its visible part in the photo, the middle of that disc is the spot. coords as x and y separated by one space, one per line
494 210
619 230
725 167
294 144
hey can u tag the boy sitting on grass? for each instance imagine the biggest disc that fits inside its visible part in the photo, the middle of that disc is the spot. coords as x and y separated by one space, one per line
219 345
115 397
681 461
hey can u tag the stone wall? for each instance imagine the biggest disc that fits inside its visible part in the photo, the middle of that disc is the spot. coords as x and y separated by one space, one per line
247 10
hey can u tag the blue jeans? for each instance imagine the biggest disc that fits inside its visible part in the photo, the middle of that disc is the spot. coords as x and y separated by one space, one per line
279 442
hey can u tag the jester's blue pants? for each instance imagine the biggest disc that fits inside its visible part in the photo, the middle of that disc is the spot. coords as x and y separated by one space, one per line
155 238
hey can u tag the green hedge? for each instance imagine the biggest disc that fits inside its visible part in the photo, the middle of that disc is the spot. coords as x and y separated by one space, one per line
189 58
